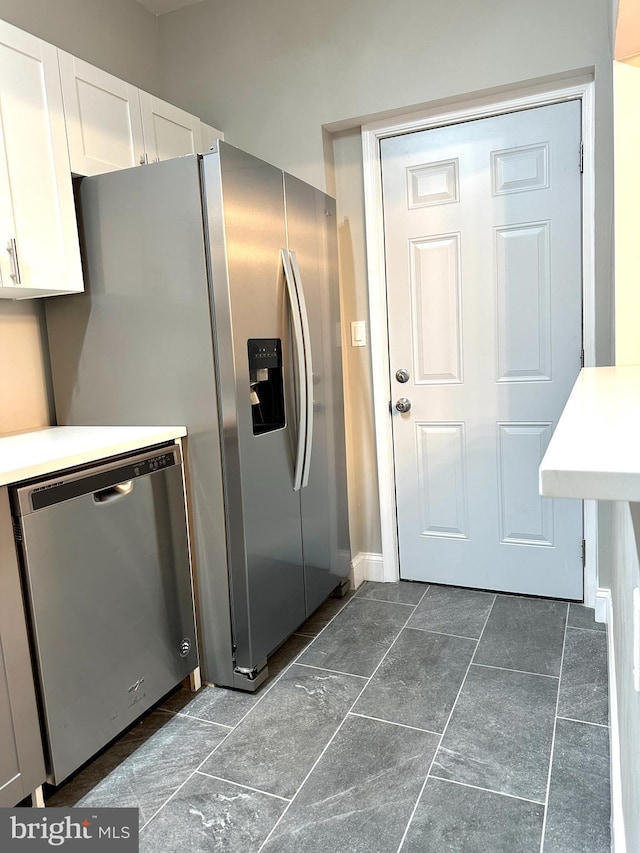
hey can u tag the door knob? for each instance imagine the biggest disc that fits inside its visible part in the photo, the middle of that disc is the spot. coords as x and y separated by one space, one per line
403 404
402 375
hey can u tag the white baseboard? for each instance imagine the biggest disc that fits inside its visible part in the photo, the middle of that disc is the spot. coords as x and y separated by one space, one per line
604 613
367 567
602 605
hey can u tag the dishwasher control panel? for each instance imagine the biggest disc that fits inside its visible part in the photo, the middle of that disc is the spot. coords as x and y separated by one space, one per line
156 463
69 485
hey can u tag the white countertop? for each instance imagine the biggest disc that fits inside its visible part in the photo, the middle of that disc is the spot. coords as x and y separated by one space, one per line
595 449
43 451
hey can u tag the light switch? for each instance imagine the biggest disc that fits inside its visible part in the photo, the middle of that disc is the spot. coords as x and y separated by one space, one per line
358 333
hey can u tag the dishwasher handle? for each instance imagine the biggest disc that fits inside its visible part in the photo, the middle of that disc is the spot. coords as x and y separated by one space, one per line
113 493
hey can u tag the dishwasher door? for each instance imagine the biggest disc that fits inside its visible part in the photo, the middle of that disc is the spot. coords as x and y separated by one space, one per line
108 586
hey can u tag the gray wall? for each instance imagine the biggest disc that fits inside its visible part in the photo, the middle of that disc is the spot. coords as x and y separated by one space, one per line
117 35
364 514
273 74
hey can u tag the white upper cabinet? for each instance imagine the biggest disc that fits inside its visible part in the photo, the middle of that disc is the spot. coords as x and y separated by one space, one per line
113 125
59 115
168 131
104 124
39 248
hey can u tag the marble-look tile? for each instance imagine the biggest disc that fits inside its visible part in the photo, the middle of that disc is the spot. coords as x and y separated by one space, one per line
358 637
144 767
500 733
324 614
449 610
276 744
403 592
525 634
209 815
584 617
418 681
360 795
578 812
584 683
213 704
283 656
225 706
454 818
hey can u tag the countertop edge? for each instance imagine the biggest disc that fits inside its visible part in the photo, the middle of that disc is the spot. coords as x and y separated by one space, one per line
594 453
38 453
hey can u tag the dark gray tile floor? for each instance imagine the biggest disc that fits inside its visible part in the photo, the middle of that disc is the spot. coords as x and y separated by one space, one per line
405 719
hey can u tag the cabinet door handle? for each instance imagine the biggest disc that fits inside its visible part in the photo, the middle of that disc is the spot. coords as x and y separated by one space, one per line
12 248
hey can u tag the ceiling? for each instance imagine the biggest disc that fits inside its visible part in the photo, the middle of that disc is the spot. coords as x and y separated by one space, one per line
159 7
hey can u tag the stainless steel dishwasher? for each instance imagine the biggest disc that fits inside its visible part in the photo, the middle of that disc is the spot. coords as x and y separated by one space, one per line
107 581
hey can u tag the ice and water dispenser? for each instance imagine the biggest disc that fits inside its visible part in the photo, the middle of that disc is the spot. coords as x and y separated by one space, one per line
266 384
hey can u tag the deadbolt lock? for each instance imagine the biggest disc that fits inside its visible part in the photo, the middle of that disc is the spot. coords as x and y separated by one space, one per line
402 375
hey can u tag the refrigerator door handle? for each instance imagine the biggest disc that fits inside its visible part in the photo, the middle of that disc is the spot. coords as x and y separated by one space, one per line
306 335
301 385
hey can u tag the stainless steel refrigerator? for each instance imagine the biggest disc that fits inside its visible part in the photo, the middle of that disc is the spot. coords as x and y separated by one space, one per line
212 301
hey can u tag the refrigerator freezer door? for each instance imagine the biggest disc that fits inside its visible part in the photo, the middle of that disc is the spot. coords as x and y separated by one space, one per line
136 348
312 236
246 232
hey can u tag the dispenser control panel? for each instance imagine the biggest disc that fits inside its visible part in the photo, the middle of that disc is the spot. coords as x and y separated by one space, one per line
266 387
264 352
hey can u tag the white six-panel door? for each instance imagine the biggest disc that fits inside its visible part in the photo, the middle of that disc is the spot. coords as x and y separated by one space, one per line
482 224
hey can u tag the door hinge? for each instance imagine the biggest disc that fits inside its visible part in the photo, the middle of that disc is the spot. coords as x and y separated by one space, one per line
584 553
581 156
582 358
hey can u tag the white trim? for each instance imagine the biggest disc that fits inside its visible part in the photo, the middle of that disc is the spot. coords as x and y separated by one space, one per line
604 607
465 110
590 522
378 327
366 567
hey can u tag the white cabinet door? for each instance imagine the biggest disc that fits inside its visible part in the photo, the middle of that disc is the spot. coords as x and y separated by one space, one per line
39 249
168 131
208 136
21 760
102 113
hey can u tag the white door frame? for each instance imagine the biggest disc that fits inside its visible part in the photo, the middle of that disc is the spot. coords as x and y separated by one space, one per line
372 133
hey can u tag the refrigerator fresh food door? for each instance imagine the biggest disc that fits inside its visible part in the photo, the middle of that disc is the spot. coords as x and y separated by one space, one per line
312 246
246 233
